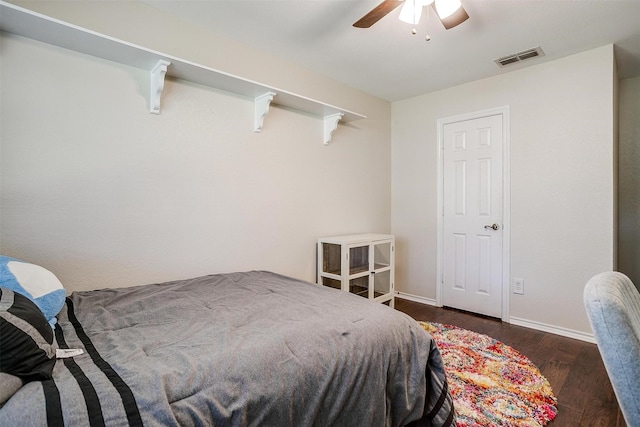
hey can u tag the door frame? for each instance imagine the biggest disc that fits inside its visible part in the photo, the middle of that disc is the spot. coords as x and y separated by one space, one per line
506 202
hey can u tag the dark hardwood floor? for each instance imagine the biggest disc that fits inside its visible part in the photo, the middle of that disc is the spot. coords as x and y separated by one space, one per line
574 368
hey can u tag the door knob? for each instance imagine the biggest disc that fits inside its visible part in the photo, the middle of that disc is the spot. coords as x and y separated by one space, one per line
492 227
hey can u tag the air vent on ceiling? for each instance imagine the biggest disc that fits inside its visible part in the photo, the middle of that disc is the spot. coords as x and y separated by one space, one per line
520 56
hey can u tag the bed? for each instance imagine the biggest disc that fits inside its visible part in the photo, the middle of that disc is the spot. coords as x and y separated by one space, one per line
250 348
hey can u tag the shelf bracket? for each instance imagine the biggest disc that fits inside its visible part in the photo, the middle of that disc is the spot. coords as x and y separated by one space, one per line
157 85
330 125
261 107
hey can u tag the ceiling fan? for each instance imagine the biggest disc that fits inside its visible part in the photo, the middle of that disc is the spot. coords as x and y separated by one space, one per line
450 12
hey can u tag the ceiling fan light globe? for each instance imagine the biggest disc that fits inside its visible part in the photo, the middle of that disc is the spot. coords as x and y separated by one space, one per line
411 11
446 8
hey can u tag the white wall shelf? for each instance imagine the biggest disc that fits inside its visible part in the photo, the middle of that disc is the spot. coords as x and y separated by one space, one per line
27 23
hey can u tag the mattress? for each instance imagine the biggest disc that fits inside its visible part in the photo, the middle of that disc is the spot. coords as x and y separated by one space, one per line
250 348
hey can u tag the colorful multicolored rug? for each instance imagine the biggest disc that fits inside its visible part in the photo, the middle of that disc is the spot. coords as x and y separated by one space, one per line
491 383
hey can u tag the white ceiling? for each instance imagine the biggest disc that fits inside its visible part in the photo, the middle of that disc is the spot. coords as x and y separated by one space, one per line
387 61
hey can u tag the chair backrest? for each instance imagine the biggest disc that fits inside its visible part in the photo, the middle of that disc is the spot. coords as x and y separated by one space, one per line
613 306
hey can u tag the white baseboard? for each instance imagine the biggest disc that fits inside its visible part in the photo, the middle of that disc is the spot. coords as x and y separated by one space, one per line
539 326
416 298
558 330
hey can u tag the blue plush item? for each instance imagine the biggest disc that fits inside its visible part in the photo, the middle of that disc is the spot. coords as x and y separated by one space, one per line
34 282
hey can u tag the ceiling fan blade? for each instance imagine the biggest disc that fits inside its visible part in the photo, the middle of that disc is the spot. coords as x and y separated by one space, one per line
377 13
456 18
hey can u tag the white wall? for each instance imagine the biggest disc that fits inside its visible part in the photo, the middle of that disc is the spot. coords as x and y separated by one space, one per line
629 179
105 194
562 181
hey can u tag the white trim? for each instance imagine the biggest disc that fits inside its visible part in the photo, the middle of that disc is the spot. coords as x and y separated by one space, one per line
506 201
557 330
506 211
516 321
416 298
440 215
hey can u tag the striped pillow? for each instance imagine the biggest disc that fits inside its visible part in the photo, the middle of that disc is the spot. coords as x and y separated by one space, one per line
28 344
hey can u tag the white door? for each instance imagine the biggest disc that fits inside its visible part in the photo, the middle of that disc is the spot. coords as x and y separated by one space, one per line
472 215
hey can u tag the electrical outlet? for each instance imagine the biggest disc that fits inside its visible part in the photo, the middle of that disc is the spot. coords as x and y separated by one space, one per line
518 286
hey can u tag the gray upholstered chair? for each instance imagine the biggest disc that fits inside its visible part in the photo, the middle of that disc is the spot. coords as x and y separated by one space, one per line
613 307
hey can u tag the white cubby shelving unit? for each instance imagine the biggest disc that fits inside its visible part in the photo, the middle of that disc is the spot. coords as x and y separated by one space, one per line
362 264
24 22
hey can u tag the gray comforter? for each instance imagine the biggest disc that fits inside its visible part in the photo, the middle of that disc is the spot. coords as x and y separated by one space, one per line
251 348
